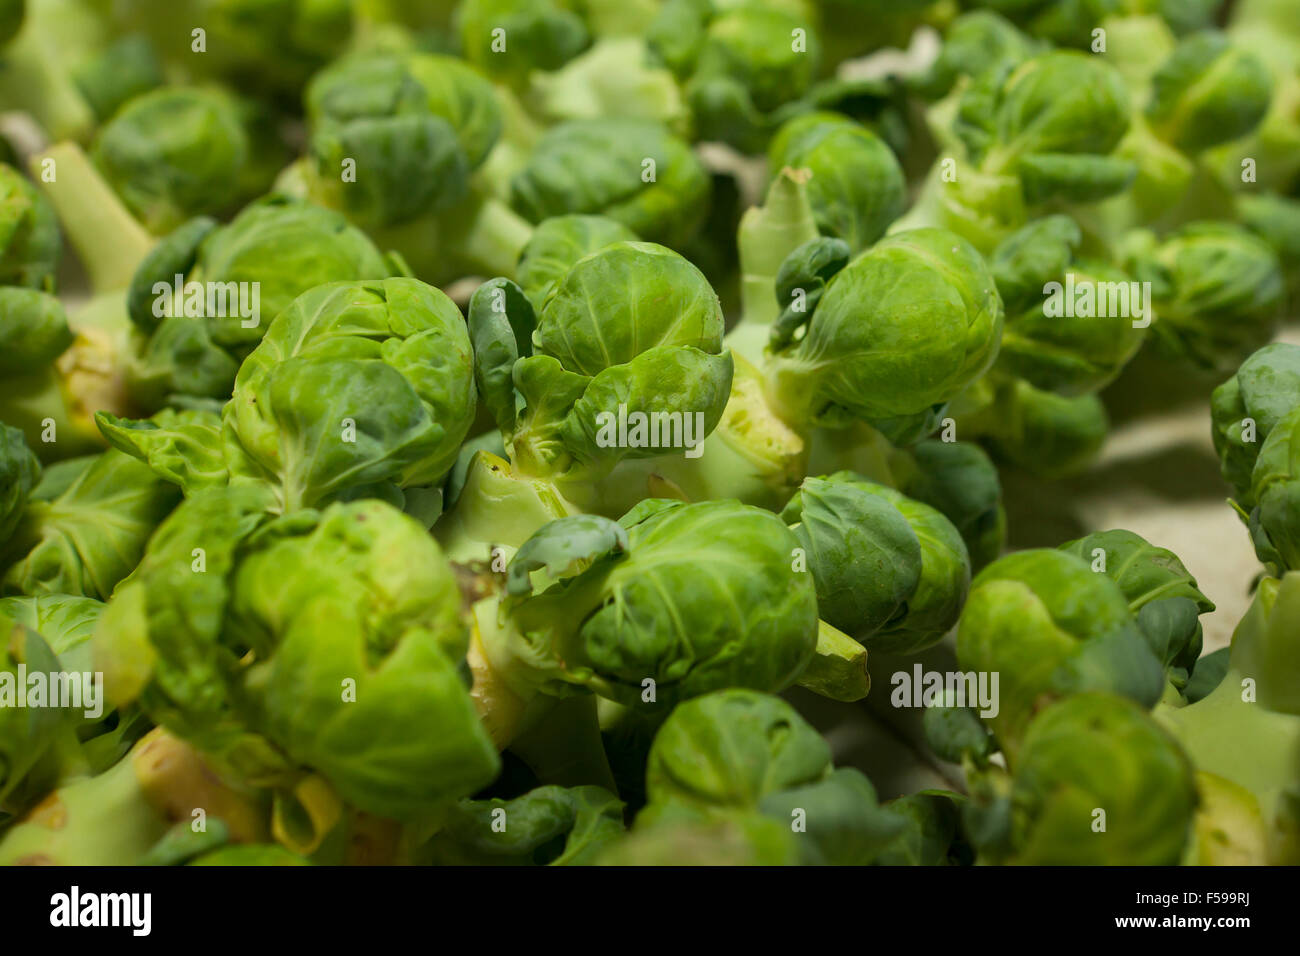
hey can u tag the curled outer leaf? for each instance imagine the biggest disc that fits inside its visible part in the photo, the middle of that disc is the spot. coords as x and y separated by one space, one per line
174 255
801 281
501 323
563 548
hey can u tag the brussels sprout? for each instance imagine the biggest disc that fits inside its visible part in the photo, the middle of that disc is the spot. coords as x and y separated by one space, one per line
1048 435
268 48
640 625
1273 488
740 63
1217 288
396 136
123 70
932 834
631 333
734 753
974 44
29 234
1247 407
357 388
1097 781
959 481
508 39
1034 136
551 826
1247 730
1050 626
633 171
557 245
889 571
1276 220
1162 595
1082 349
19 474
866 356
258 264
87 537
857 187
172 154
354 595
1208 92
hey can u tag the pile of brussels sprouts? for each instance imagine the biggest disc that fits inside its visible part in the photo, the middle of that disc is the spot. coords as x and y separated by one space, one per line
329 333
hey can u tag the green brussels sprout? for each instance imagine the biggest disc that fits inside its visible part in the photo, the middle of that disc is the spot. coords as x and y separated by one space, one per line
1217 289
740 63
632 171
901 331
737 752
396 135
35 331
355 595
974 44
29 234
250 271
1247 407
1050 626
508 39
84 538
556 246
1074 350
1034 136
857 186
550 826
933 834
624 361
1273 489
640 625
1276 220
959 481
267 48
125 69
889 571
1096 782
1046 434
1208 92
1247 730
19 474
357 388
1162 595
172 154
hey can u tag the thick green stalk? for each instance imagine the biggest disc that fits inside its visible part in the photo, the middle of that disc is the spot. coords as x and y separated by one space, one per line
110 243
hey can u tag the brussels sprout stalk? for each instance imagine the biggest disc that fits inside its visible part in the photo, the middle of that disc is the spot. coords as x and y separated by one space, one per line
119 815
110 242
